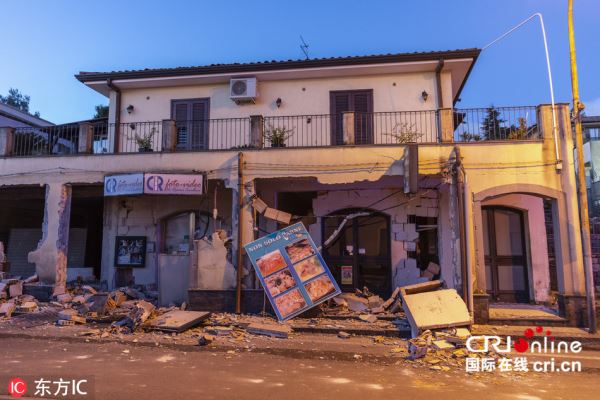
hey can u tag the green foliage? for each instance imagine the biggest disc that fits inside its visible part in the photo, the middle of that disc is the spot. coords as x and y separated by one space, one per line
492 125
18 100
278 136
405 133
101 111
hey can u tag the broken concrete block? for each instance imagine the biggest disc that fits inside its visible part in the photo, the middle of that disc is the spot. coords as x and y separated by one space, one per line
279 331
340 302
417 350
206 339
65 322
436 309
443 345
177 320
28 306
377 310
15 289
355 303
462 333
78 299
344 335
100 303
88 289
374 301
118 297
64 298
6 309
368 318
219 330
31 279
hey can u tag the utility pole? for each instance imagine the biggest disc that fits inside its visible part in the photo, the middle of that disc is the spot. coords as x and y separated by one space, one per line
581 187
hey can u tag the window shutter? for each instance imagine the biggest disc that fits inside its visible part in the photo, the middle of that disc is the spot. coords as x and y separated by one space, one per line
181 118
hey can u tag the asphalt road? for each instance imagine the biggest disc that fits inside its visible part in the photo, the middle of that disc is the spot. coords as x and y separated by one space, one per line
133 372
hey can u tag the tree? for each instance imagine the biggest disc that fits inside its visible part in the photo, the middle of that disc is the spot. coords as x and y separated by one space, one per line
18 100
491 125
101 111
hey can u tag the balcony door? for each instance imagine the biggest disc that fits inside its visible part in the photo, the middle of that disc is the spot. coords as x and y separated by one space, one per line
191 120
358 102
505 254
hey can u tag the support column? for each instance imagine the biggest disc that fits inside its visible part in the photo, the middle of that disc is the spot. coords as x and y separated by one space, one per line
50 257
86 138
169 135
7 141
446 125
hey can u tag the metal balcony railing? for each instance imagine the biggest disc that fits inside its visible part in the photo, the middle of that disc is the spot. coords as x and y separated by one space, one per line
296 131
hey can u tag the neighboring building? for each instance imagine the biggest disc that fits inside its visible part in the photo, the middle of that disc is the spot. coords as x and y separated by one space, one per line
15 118
319 139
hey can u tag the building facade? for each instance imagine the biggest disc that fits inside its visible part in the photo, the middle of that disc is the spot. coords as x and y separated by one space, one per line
469 196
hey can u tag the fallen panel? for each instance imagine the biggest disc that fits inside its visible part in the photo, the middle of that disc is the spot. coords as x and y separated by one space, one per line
434 310
177 320
279 331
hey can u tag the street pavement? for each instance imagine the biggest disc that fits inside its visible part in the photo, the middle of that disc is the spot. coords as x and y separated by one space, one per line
128 371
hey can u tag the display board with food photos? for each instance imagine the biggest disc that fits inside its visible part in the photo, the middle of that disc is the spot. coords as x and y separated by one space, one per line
292 271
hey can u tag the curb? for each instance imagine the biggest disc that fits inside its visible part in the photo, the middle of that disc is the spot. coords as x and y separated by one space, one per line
305 354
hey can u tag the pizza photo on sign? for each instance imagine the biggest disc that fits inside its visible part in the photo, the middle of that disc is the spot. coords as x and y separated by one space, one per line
309 268
280 282
270 263
290 302
319 288
299 250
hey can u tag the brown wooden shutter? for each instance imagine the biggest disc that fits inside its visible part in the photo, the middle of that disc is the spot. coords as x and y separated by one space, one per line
359 101
192 121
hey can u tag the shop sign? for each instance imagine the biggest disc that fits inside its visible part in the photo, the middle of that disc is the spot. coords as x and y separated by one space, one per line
123 185
178 184
291 271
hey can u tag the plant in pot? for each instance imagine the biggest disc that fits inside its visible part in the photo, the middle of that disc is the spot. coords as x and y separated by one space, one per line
278 136
144 141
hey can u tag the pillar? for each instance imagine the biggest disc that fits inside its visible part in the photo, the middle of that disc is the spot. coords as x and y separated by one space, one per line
86 138
169 135
446 125
257 131
50 257
348 127
7 141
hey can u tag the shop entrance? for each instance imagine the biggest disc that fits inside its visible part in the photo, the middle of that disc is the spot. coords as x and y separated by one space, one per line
360 255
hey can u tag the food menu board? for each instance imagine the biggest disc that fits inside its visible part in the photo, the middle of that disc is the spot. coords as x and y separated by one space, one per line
292 271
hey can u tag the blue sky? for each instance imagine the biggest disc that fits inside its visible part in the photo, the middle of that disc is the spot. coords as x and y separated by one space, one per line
44 43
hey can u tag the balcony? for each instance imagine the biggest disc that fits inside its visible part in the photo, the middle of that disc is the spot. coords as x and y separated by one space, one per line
267 132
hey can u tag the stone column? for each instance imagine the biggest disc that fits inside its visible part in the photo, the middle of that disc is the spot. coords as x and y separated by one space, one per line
7 141
50 257
86 138
348 127
256 131
169 135
446 125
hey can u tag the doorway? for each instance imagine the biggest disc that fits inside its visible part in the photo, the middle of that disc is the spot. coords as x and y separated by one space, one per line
360 255
360 104
505 254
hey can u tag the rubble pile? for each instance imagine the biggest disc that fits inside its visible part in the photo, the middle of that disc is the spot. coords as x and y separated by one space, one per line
444 348
366 305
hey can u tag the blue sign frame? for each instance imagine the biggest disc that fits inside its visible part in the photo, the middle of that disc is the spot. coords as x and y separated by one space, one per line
291 270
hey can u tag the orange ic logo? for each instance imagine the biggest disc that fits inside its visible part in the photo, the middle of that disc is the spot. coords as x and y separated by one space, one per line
17 387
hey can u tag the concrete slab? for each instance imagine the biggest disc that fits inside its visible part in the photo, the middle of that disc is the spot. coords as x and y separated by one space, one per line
177 320
434 310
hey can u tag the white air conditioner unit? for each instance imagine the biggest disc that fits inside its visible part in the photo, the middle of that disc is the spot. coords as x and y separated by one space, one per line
242 89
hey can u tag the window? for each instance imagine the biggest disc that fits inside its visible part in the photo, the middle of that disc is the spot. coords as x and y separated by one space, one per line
360 102
177 230
191 120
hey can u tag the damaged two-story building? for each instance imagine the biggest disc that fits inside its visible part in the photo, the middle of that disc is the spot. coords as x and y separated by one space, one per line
483 199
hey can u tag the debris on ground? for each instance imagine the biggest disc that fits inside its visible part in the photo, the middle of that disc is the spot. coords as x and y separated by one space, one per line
273 330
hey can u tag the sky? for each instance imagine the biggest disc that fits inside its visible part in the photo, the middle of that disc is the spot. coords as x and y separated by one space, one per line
45 43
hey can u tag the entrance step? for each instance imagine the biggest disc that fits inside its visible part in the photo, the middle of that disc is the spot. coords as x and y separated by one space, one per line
525 315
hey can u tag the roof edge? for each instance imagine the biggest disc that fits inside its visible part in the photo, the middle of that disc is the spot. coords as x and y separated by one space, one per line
280 65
